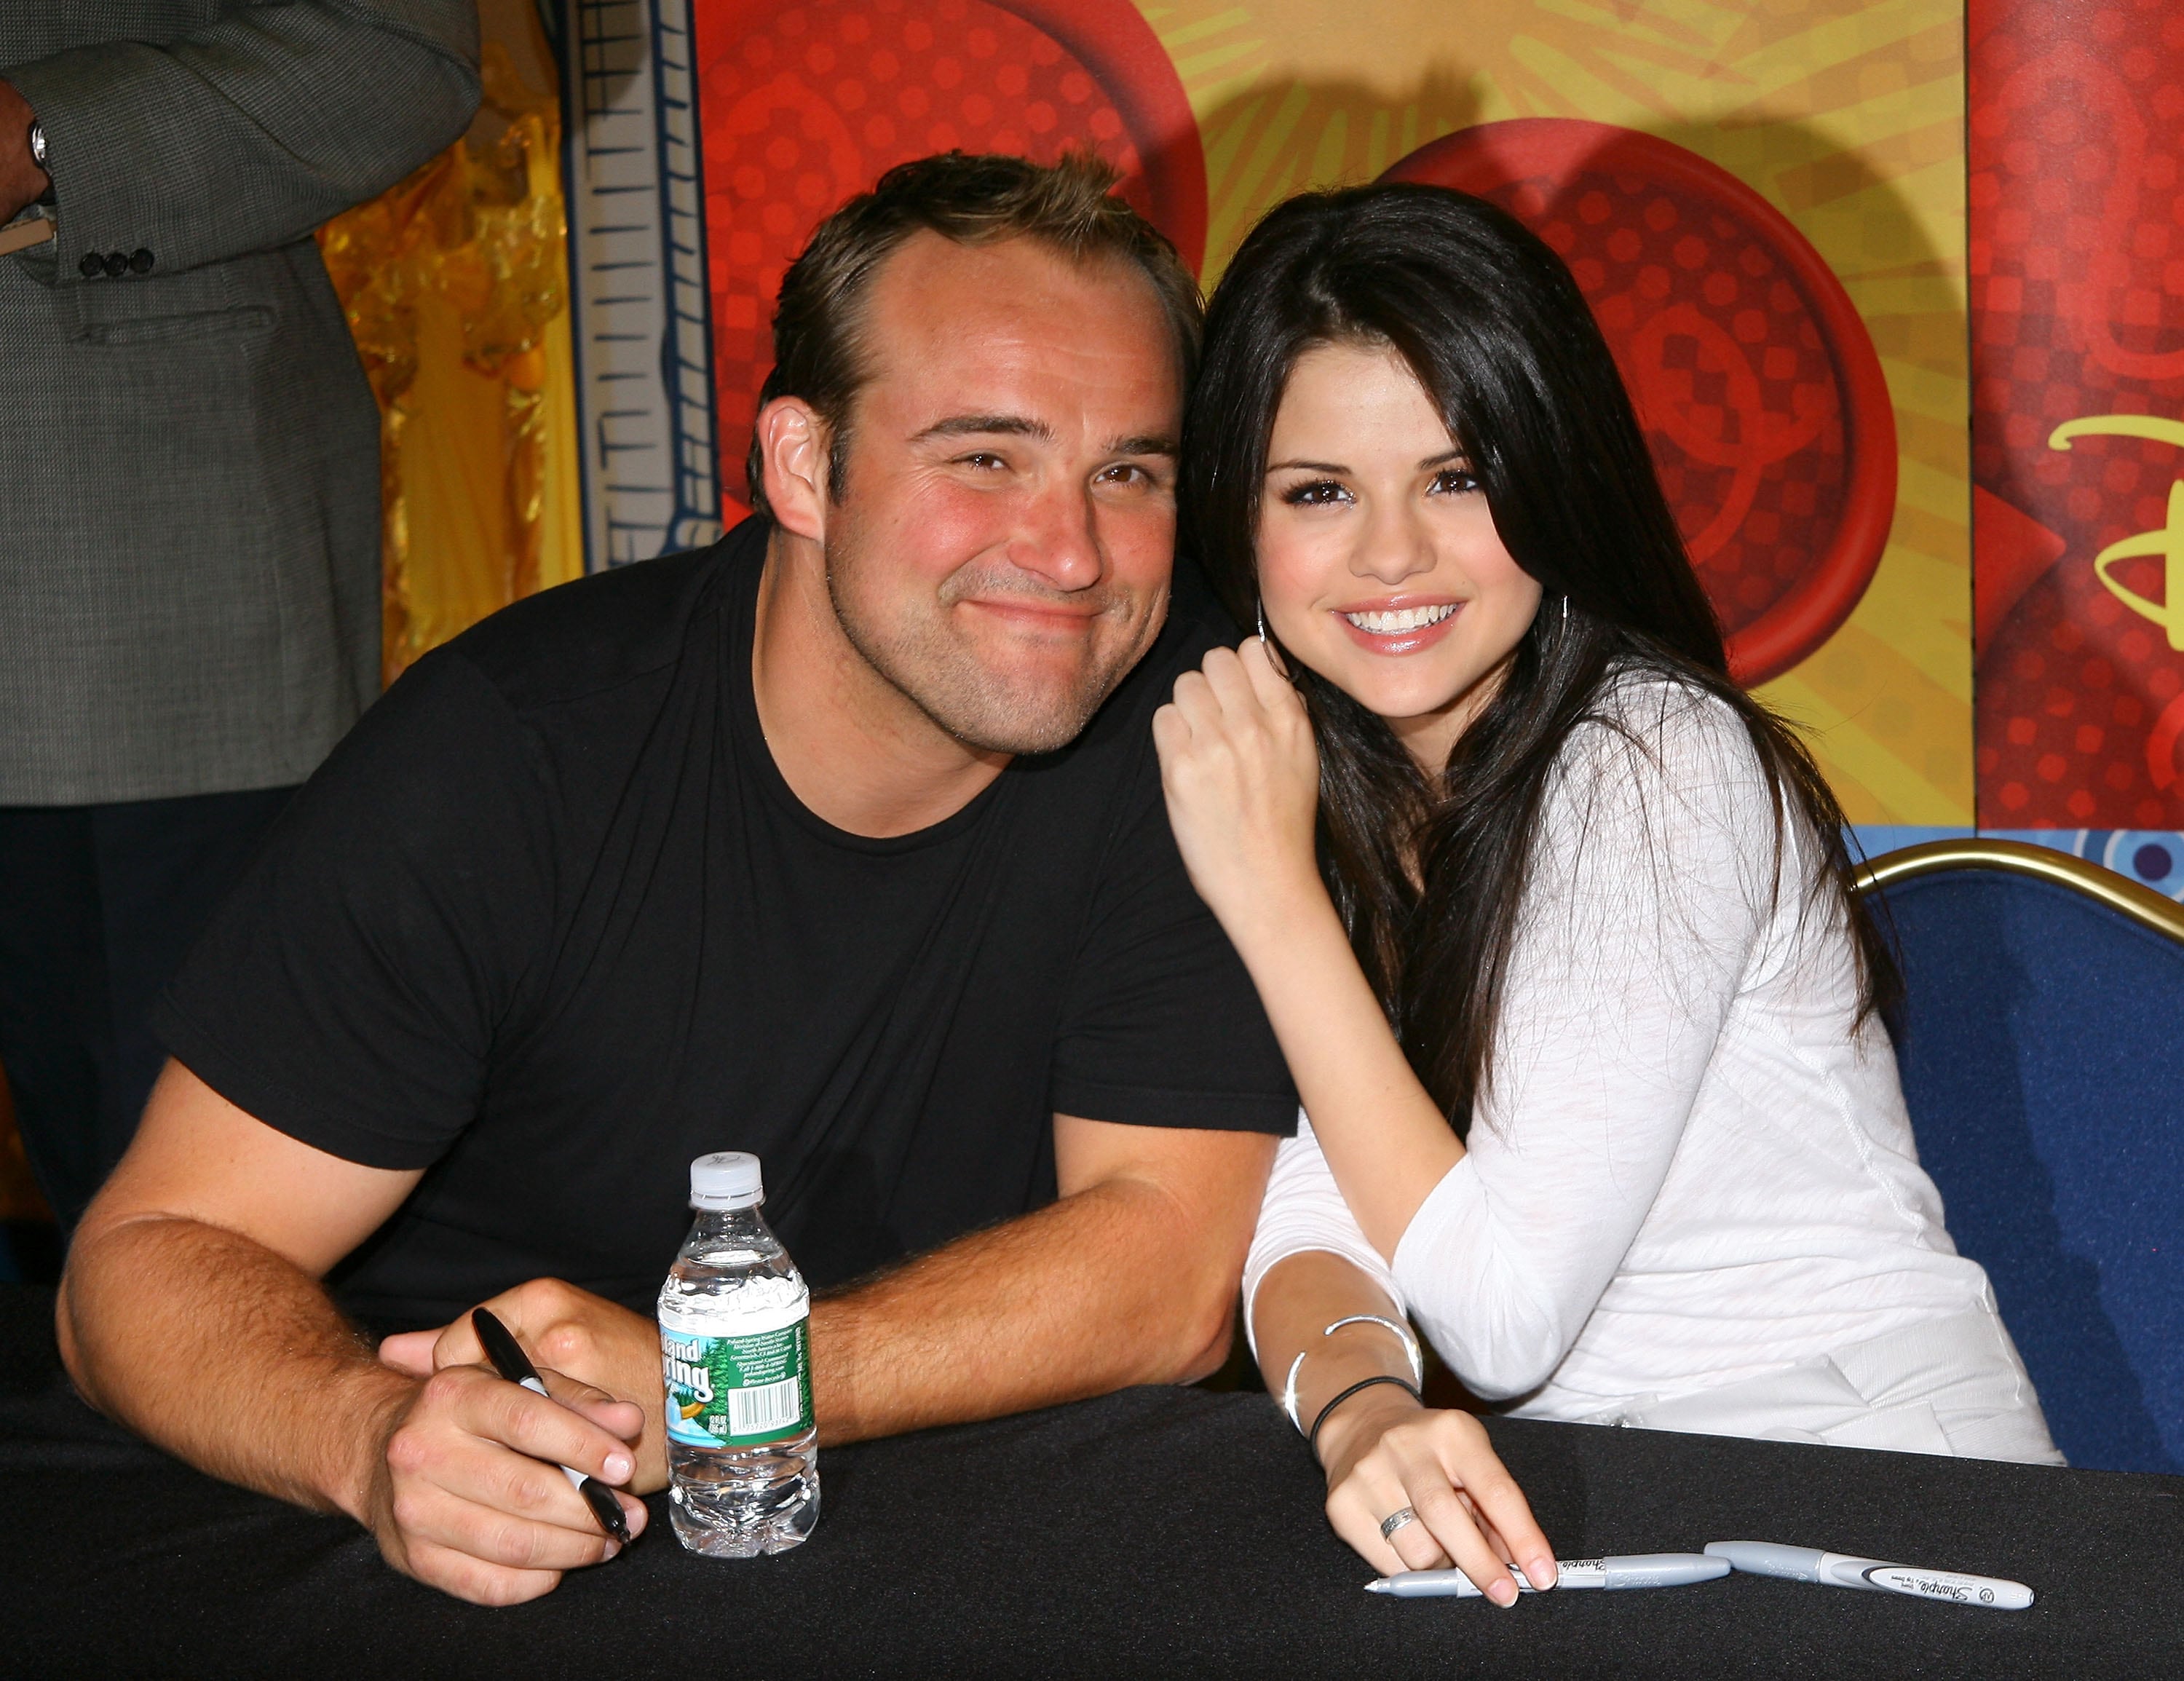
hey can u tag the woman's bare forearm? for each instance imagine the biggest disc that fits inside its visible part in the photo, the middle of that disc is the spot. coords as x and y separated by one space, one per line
1386 1140
1240 775
1297 1300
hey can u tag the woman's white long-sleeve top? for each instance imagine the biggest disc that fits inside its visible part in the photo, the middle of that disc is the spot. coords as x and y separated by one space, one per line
1692 1165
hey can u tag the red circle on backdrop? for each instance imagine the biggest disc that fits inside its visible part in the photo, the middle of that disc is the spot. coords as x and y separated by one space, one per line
802 107
1761 395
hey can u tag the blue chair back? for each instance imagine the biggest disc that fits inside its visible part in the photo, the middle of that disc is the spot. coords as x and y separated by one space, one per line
2041 1045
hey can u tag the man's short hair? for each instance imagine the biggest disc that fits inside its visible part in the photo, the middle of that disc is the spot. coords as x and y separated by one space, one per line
1070 205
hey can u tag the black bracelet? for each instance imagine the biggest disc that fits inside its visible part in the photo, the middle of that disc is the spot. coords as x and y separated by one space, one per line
1312 1439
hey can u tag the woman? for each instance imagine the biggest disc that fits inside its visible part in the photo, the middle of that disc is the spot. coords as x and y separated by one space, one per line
1553 921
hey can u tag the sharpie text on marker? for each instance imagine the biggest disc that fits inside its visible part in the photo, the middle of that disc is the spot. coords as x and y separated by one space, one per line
1872 1575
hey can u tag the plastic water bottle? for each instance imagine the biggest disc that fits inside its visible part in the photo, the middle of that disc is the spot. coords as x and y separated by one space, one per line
735 1342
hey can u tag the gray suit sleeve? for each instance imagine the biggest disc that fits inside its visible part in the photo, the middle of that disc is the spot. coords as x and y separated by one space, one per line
247 134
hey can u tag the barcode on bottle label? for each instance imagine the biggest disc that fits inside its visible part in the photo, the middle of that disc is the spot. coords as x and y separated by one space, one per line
727 1391
773 1407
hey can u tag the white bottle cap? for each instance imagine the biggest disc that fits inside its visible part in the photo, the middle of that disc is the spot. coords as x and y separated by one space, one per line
727 1179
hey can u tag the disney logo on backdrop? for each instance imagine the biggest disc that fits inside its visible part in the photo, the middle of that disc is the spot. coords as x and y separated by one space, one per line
2166 542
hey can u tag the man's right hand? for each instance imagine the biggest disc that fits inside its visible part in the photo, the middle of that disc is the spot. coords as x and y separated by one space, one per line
207 1245
21 181
467 1496
597 1341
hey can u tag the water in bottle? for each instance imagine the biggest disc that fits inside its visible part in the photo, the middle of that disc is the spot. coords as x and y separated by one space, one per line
735 1349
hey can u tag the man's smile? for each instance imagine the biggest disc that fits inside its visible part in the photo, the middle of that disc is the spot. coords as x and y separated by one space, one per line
1031 615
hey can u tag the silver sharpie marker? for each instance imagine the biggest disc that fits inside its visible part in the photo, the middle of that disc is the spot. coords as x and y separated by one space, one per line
1633 1570
1842 1570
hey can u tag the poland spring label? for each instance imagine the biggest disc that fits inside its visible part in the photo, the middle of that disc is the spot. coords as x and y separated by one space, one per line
752 1384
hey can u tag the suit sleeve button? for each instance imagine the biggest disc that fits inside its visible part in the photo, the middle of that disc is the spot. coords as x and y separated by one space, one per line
92 266
116 265
141 260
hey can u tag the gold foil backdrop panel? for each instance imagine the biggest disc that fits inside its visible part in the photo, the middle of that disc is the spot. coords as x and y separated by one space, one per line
455 282
1844 115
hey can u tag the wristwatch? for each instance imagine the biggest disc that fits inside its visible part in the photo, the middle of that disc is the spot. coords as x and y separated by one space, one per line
38 157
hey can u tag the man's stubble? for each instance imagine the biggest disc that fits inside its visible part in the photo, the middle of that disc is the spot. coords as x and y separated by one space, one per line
939 672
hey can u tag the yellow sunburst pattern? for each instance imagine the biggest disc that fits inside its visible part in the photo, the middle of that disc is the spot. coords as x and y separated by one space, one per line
1846 117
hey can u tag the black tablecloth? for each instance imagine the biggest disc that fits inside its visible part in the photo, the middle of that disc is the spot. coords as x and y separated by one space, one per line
1155 1532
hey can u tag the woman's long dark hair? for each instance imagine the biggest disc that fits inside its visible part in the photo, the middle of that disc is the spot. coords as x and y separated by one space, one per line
1430 874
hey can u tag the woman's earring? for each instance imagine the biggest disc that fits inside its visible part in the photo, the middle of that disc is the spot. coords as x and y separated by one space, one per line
1566 612
1274 654
1263 619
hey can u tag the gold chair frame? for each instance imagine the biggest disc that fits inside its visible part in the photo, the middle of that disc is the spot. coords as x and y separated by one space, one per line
2140 903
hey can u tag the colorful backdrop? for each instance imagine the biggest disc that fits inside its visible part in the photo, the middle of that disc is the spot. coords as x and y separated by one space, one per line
1898 287
1845 384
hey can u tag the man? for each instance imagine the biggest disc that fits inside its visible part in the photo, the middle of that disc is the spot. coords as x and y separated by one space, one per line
842 842
189 557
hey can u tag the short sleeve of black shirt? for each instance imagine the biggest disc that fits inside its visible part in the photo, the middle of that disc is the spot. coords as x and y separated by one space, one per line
1145 985
351 991
550 923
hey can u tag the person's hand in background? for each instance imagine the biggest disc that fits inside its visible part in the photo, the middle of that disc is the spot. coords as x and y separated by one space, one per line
22 182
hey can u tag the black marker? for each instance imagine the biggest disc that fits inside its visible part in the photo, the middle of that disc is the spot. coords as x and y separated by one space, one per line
509 1360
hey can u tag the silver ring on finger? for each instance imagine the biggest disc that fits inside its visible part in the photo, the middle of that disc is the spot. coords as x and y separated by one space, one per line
1394 1521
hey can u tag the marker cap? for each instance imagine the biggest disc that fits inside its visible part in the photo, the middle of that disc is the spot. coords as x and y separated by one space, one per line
727 1179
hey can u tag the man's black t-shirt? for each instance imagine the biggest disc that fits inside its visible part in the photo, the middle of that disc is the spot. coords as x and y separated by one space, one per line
550 923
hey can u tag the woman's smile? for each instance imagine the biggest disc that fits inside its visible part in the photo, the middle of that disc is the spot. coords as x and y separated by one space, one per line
1392 629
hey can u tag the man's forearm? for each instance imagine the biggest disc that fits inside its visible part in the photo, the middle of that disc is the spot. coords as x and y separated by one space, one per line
229 1357
1105 1289
1130 1277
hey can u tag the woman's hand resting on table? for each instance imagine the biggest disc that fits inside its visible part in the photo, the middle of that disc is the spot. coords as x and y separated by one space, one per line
1241 774
1383 1451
